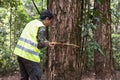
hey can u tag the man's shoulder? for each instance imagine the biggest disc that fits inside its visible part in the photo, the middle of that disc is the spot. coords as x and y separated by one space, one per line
36 23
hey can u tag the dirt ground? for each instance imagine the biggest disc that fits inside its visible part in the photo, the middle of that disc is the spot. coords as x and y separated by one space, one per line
90 76
17 77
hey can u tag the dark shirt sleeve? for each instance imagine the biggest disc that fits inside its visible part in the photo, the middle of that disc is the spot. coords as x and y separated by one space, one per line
41 37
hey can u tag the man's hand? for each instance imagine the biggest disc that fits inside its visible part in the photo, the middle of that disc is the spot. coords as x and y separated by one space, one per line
52 44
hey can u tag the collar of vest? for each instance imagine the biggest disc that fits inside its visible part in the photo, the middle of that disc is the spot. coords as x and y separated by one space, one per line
39 22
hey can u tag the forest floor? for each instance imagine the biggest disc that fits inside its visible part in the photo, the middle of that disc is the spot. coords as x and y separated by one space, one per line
16 76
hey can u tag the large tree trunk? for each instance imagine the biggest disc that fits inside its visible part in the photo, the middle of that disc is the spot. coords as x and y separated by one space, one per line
63 63
104 66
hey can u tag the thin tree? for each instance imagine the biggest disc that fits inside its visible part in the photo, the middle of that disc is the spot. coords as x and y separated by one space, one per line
10 24
104 66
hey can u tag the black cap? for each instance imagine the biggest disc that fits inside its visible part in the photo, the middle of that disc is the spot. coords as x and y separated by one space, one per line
46 13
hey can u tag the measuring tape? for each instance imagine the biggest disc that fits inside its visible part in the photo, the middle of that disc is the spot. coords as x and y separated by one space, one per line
58 43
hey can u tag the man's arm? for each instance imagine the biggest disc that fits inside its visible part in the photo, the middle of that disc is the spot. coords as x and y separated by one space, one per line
41 38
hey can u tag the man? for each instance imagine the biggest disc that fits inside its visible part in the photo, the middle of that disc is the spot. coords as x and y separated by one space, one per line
28 47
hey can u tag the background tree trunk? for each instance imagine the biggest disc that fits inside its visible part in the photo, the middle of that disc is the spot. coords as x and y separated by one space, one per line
104 66
10 22
63 59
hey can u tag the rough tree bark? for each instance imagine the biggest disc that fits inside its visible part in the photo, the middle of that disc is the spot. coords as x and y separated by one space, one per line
63 62
104 66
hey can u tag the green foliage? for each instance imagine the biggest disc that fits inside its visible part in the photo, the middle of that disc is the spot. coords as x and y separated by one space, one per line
8 3
115 14
30 8
116 49
7 61
2 34
43 58
90 44
100 1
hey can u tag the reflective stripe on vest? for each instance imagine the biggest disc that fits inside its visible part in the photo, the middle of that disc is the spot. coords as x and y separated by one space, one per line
27 50
30 57
28 41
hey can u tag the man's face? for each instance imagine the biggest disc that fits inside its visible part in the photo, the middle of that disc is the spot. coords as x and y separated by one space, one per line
48 21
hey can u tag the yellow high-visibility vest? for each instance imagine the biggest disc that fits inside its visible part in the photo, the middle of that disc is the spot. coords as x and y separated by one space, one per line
27 44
